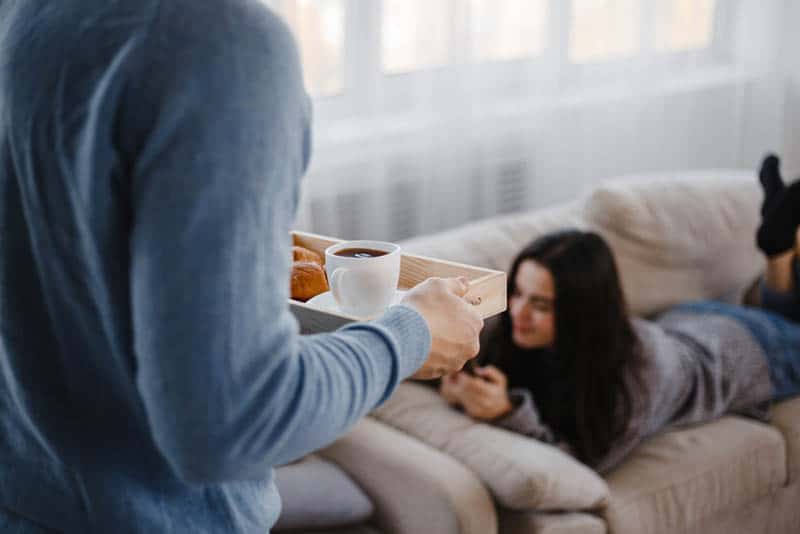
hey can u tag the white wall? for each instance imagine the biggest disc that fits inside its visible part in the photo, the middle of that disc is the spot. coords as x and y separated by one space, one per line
789 63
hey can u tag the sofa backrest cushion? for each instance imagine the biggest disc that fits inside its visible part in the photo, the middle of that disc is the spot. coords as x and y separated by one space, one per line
493 243
676 236
681 236
521 473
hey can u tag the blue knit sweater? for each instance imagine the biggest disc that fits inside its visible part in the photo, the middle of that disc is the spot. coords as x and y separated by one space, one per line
151 373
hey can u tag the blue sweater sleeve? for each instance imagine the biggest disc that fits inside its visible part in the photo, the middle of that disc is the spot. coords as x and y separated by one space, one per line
229 386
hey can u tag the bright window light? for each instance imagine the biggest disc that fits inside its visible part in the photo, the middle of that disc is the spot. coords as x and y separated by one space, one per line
319 28
604 29
416 35
508 29
684 24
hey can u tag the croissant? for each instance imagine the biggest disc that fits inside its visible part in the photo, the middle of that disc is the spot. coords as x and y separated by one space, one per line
304 254
308 280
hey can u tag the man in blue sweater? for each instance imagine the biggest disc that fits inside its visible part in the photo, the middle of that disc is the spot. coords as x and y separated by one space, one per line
151 373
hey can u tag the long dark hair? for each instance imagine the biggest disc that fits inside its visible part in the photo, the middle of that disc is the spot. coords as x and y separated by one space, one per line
595 345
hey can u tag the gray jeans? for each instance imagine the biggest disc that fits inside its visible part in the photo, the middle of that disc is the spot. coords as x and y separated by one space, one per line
786 304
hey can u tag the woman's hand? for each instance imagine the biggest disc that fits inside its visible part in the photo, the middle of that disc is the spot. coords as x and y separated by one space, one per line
450 389
484 396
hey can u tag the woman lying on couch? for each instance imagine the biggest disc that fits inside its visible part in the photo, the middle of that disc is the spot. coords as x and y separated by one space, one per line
566 365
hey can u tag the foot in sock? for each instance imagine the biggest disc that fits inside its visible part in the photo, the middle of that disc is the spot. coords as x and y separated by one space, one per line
771 181
780 213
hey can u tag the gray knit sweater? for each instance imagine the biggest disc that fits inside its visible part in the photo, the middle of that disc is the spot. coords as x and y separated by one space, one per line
696 368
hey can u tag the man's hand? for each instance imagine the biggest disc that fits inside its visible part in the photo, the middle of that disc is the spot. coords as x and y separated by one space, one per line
484 396
453 323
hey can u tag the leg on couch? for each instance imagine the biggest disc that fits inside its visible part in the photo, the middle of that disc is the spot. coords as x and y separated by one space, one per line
778 237
780 274
780 286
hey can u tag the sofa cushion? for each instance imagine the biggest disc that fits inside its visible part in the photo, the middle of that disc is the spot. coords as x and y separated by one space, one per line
357 529
514 522
679 237
521 473
493 243
785 416
681 478
317 494
415 488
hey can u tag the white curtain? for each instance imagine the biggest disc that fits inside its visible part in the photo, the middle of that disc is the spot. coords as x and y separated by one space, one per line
432 113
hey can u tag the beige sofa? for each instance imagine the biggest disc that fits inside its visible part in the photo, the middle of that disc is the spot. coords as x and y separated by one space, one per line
676 237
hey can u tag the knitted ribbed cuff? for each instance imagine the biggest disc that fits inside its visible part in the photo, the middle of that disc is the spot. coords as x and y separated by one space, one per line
413 337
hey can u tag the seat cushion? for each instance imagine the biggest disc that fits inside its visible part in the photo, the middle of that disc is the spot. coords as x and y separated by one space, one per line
680 478
357 529
318 494
512 522
521 473
679 236
785 416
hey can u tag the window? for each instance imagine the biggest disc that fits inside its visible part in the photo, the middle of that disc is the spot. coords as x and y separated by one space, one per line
508 29
604 29
415 36
319 28
349 47
684 24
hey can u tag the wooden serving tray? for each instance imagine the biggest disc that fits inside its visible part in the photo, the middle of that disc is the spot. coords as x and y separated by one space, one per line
487 287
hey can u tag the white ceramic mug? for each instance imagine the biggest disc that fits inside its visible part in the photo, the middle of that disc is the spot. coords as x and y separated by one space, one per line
363 286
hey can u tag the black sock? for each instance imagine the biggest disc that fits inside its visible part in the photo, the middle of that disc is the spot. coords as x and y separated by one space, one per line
779 223
771 181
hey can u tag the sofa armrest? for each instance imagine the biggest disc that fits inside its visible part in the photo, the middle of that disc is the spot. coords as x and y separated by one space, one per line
414 487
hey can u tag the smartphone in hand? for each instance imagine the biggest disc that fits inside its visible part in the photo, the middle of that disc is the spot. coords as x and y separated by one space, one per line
469 367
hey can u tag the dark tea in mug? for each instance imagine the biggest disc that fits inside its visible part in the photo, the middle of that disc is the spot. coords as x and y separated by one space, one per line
360 253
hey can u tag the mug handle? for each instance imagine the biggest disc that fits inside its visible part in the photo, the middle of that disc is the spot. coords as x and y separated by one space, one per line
336 279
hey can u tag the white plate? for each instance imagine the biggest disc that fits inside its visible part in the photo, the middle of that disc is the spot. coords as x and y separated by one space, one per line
325 301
